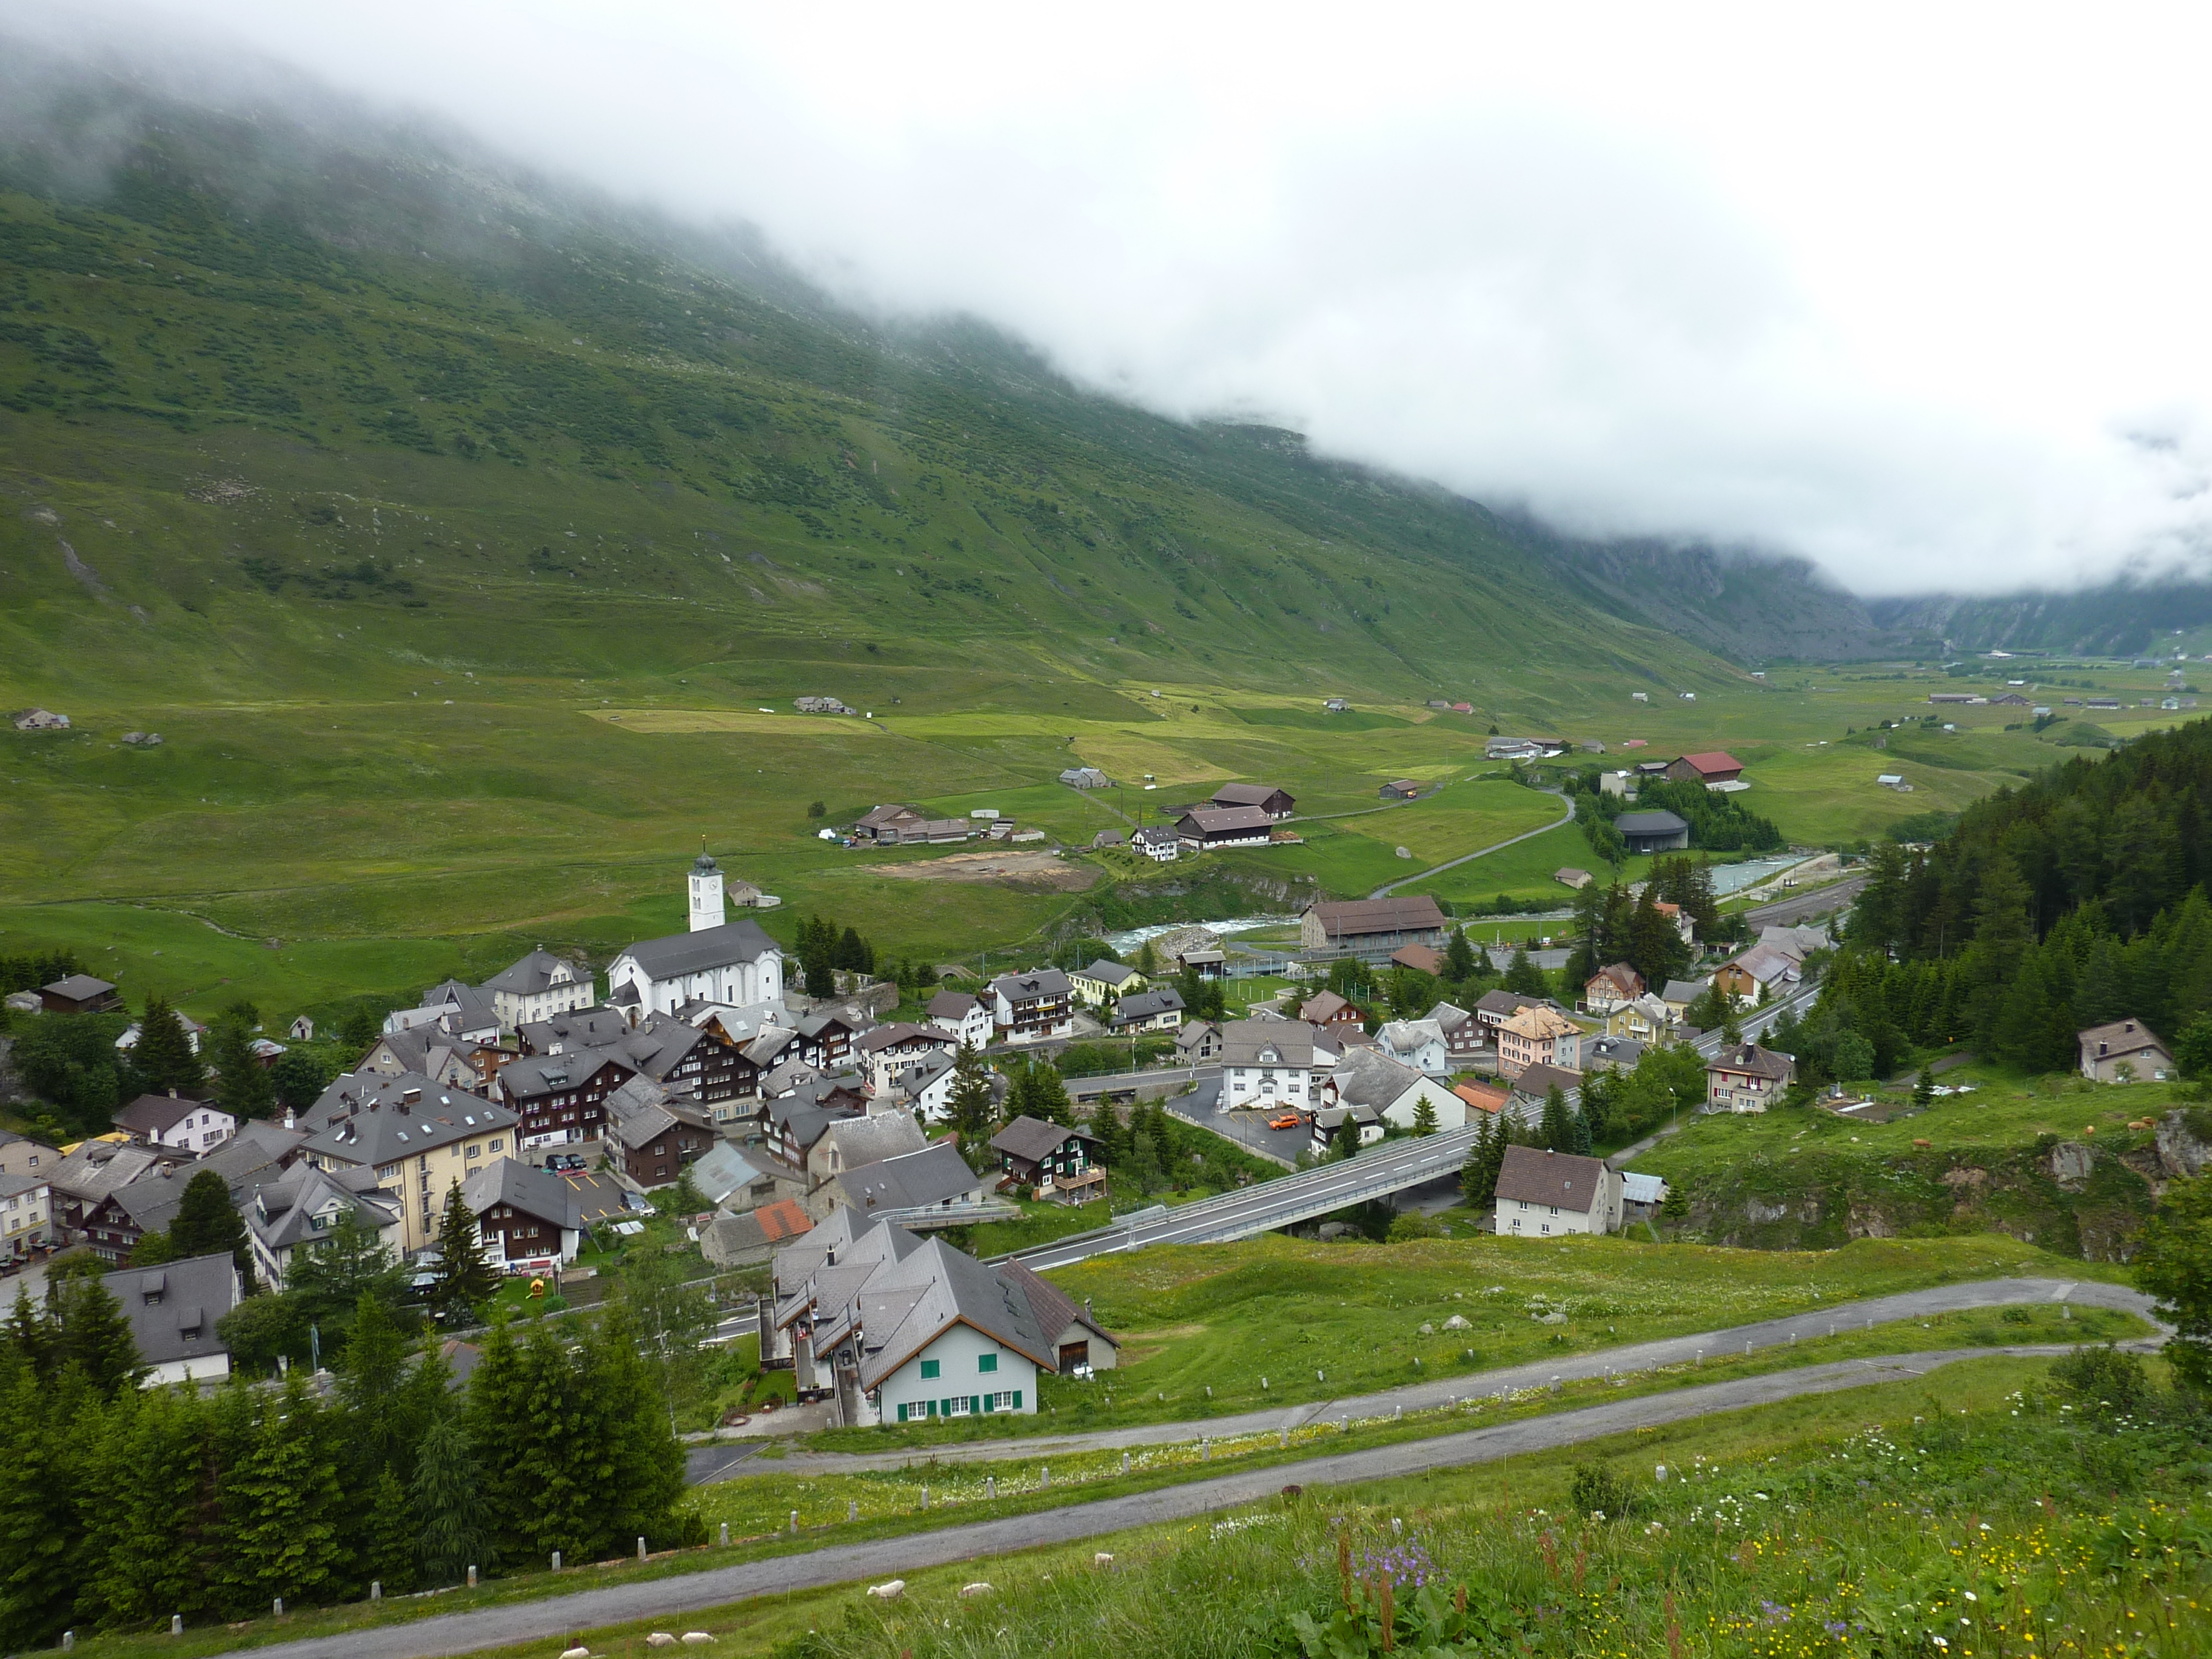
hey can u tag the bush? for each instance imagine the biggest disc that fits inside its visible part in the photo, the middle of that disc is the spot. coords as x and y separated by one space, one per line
2101 1382
1411 1224
1599 1489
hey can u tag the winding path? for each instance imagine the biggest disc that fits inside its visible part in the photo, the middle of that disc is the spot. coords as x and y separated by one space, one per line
1566 800
670 1598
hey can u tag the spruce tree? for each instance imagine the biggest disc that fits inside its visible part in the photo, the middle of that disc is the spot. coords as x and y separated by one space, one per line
389 1534
1555 1130
1524 978
1923 1088
283 1504
370 1377
207 1222
40 1533
1048 1097
156 1537
162 1059
451 1505
95 1337
242 1083
554 1439
970 1102
29 1338
642 1482
1459 958
1344 1143
464 1277
1424 1115
1580 1139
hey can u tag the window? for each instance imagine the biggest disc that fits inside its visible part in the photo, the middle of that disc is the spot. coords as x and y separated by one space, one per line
498 1144
986 1363
929 1370
475 1152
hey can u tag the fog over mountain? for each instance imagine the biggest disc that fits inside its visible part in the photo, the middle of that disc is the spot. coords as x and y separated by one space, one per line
1914 302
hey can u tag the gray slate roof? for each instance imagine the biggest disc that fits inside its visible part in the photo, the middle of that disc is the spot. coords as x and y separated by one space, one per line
173 1308
1033 1139
1649 824
527 977
1148 1004
1292 1041
282 1214
697 953
1111 974
912 1181
387 1127
533 1191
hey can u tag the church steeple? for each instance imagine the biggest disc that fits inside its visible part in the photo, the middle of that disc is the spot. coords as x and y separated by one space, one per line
706 894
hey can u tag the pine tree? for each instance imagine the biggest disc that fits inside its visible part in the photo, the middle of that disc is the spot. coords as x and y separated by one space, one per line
1048 1097
1424 1115
644 1478
207 1222
162 1059
1524 978
28 1338
95 1337
464 1277
242 1085
970 1103
370 1378
451 1505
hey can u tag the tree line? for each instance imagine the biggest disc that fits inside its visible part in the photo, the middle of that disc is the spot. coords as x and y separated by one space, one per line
2073 901
125 1505
1718 822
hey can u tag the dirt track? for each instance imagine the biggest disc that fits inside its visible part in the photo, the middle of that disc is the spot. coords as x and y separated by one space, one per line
1021 869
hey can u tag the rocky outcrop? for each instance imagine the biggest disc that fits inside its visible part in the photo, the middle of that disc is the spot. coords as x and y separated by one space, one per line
2184 1142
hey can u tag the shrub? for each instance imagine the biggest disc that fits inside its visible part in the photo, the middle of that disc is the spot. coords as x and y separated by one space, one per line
1599 1489
2101 1382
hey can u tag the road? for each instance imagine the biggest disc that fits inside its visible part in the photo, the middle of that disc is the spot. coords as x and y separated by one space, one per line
1390 887
1784 913
1423 1396
1090 1087
667 1599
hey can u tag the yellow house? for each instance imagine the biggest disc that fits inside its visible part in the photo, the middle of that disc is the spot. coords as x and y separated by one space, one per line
1101 979
420 1139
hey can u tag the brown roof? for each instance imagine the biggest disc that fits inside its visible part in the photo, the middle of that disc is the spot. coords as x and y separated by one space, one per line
1323 1006
1245 794
1352 917
1422 958
1483 1097
2124 1037
1712 761
1531 1176
1224 820
1536 1081
1750 1060
1623 978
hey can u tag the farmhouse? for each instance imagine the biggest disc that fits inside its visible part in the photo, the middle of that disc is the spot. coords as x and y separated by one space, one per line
1714 766
1084 777
1277 803
1203 828
1400 789
888 825
1612 986
1543 1194
2106 1048
1746 1077
932 1187
1372 926
1421 958
1159 843
1569 877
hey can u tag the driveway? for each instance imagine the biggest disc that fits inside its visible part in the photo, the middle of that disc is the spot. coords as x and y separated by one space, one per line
667 1599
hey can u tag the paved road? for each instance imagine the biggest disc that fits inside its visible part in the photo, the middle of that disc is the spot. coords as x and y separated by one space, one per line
1786 913
1565 800
1089 1088
1568 1367
668 1599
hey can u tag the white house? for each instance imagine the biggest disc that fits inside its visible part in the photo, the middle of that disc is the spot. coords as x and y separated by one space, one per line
1395 1090
1418 1043
25 1216
1546 1194
1032 1007
1276 1062
717 961
306 1205
183 1126
537 988
173 1310
968 1018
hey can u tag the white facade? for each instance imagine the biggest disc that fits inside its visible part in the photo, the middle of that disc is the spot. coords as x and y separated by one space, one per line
1450 1109
739 982
960 1372
1418 1043
562 990
1268 1078
973 1027
25 1216
706 896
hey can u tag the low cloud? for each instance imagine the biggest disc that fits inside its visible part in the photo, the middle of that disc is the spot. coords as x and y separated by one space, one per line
1921 305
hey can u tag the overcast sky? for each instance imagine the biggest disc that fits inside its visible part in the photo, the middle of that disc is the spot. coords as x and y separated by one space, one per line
1920 293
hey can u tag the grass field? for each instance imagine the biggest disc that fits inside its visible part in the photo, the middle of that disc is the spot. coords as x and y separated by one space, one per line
1319 1321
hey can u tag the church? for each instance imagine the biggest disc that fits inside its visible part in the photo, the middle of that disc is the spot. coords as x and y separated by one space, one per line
731 962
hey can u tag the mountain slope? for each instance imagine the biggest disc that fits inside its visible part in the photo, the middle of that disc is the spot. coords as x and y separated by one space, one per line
373 372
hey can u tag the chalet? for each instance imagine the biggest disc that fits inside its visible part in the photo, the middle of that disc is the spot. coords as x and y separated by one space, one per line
1329 1126
1275 1062
1331 1012
1277 803
1653 832
1746 1077
538 987
1158 1010
825 1040
428 1051
1493 1008
82 1186
651 1135
172 1311
1061 1164
456 1009
794 1128
967 1019
1372 927
1093 985
1611 987
559 1099
1158 841
1032 1007
303 1208
1713 766
1538 1037
529 1220
1205 828
1761 968
2125 1043
79 993
174 1124
1466 1037
1542 1193
1400 789
260 1154
1568 876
